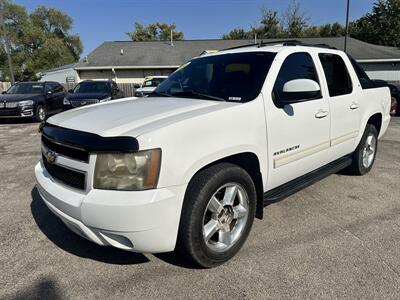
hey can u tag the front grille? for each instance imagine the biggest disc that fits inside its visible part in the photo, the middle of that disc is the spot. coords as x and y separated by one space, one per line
78 103
66 150
66 176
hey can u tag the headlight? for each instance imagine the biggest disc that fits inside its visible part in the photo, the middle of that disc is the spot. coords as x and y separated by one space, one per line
105 99
66 101
127 171
25 103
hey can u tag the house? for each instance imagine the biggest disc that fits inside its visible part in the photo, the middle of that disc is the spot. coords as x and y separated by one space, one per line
131 62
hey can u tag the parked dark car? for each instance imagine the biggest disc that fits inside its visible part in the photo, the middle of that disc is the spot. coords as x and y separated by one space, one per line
34 100
91 92
395 93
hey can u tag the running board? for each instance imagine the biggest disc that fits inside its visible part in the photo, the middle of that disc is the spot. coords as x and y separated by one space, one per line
306 180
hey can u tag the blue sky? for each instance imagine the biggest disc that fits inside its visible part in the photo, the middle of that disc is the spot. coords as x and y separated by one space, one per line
108 20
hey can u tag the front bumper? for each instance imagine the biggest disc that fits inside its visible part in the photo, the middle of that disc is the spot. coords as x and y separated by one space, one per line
18 112
139 221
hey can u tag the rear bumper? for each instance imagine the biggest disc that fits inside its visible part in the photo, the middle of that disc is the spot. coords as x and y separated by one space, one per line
144 221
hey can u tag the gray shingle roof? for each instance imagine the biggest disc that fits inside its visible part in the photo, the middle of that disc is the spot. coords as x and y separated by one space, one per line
161 53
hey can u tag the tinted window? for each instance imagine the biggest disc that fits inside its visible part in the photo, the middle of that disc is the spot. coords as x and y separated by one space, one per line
296 66
26 88
92 87
231 77
51 86
337 76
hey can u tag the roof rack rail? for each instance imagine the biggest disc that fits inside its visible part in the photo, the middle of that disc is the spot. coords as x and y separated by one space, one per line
283 43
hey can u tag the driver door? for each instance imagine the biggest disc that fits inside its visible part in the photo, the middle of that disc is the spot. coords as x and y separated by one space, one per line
298 132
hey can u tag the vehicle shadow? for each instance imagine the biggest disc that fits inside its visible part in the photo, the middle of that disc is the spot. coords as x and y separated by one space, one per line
60 235
45 288
18 121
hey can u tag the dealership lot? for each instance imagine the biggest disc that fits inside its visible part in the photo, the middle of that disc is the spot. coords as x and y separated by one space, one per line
337 238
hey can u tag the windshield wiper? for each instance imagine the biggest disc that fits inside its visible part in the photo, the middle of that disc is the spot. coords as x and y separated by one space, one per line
195 93
155 93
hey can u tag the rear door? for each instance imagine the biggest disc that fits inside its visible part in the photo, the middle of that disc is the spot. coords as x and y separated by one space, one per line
344 100
298 133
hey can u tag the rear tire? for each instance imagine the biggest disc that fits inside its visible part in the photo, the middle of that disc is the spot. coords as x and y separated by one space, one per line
365 153
40 114
217 214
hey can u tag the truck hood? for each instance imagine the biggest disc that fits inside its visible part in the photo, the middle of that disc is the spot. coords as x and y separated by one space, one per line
133 117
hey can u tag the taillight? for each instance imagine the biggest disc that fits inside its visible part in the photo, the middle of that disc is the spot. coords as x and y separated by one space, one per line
393 107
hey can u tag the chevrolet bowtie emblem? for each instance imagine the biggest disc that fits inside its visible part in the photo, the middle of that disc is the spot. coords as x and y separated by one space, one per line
51 157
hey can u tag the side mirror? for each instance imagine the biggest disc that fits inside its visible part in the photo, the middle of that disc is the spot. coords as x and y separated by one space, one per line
70 91
137 86
298 90
49 93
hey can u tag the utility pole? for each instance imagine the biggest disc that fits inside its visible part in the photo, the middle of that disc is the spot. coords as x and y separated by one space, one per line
172 39
347 25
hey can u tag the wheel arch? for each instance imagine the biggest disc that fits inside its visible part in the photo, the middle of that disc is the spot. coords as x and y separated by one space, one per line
250 162
376 120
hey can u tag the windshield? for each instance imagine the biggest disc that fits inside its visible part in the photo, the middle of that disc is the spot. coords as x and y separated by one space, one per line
153 82
26 88
228 77
92 87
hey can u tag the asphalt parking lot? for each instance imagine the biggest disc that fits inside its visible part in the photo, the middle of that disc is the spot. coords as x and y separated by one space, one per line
339 238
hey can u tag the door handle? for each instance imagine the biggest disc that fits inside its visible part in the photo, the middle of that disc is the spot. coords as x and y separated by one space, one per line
321 114
354 105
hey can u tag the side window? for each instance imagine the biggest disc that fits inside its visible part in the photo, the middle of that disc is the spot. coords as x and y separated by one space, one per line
337 75
296 66
51 86
59 88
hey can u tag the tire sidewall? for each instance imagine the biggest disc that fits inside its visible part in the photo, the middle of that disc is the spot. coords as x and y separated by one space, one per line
370 129
37 113
232 174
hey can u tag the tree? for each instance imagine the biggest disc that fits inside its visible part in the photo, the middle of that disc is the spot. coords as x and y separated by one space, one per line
381 26
295 22
38 41
270 25
237 34
154 32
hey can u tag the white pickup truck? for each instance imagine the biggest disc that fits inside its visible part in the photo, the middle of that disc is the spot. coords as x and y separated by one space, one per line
192 165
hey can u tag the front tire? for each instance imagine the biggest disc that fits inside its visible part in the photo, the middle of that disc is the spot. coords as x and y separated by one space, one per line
40 114
217 214
365 153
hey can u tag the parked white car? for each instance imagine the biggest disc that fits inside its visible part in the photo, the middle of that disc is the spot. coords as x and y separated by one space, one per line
191 166
148 86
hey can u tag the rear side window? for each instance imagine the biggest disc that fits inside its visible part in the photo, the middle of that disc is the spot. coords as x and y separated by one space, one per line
296 66
336 74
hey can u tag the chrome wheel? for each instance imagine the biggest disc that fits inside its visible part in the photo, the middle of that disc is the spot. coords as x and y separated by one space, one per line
369 151
41 114
225 217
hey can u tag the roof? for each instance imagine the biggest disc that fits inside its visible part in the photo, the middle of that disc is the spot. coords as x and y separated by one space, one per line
160 54
65 67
